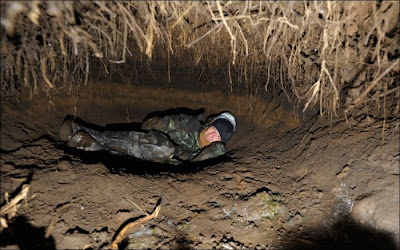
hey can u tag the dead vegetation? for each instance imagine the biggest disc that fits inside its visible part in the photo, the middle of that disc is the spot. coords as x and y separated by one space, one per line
335 54
9 210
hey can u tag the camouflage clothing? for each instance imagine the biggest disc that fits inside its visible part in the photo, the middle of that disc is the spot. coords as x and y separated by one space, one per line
184 131
169 139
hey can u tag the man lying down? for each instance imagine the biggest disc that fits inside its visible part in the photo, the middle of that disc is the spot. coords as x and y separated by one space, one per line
170 139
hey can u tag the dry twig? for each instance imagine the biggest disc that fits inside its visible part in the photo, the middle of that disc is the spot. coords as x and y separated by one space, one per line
10 209
56 216
154 214
11 206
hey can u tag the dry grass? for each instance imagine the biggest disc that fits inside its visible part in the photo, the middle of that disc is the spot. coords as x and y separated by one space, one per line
335 54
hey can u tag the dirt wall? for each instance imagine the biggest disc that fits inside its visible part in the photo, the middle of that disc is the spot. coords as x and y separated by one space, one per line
283 184
331 54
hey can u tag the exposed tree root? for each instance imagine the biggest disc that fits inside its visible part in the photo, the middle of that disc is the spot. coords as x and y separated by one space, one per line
119 236
57 215
322 53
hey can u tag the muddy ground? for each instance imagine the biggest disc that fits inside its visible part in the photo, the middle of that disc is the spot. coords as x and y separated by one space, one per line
286 183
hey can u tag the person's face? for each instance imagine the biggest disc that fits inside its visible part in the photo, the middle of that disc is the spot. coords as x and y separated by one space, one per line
212 134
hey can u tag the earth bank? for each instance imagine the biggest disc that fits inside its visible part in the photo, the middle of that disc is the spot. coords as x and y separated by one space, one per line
286 182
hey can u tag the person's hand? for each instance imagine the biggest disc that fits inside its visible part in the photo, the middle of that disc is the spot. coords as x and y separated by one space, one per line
214 150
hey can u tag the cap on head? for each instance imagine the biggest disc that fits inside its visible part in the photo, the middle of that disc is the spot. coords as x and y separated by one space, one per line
225 123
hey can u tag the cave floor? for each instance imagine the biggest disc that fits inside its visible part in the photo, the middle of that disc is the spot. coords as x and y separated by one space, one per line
287 185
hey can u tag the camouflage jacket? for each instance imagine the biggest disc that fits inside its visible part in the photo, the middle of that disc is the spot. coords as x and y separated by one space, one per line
184 131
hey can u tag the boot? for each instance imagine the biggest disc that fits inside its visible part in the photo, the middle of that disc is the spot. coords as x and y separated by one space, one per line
68 129
84 141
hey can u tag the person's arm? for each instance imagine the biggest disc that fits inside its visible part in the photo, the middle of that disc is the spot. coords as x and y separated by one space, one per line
155 123
214 150
189 124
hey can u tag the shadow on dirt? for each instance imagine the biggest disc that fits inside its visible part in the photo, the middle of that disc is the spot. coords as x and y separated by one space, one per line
175 111
133 126
124 164
136 126
22 233
343 234
182 242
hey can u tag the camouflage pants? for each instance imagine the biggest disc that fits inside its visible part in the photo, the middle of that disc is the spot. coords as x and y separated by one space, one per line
151 146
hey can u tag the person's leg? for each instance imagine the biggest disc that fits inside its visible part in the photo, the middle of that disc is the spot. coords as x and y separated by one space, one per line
84 141
152 146
70 127
156 146
124 142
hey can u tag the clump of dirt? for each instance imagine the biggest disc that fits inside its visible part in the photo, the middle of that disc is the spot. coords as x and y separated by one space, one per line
285 183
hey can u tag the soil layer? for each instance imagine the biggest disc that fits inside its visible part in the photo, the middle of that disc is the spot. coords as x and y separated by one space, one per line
285 183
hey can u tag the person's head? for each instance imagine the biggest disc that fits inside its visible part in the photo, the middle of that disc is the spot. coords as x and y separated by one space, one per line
221 129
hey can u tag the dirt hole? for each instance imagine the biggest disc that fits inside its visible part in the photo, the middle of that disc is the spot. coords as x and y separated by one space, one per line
286 182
